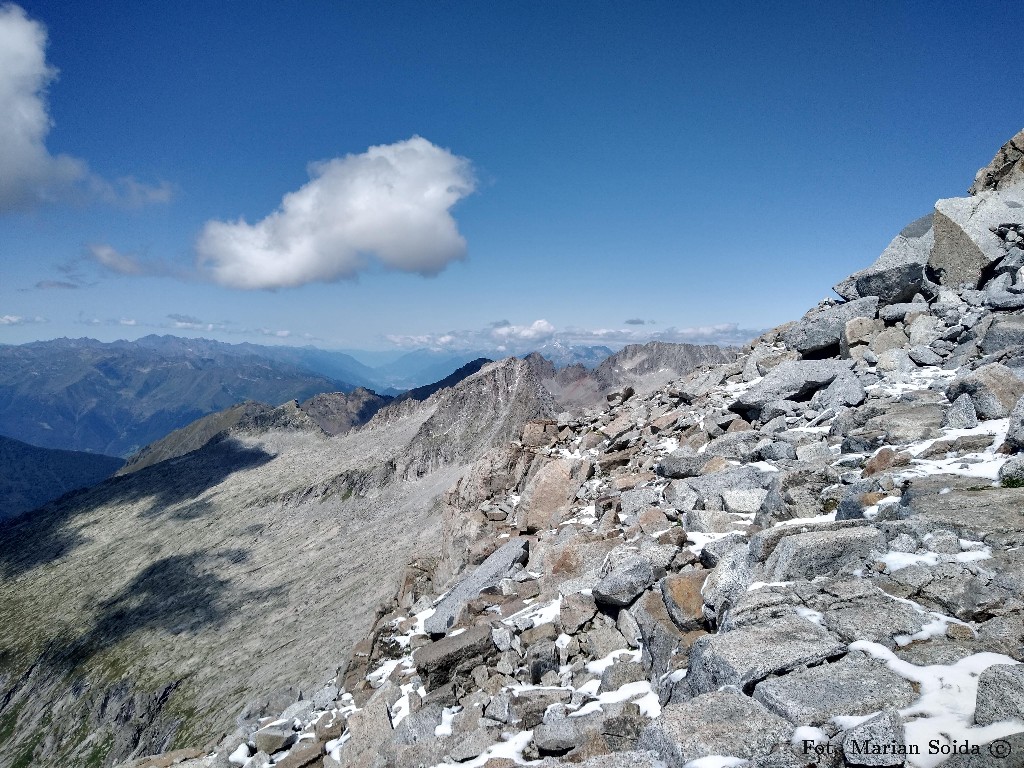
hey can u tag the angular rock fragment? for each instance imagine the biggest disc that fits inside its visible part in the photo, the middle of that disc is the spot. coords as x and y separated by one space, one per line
1015 432
625 582
496 567
964 244
1005 331
1005 171
821 329
822 553
791 380
878 742
961 414
576 610
848 687
718 723
683 598
899 272
440 661
745 657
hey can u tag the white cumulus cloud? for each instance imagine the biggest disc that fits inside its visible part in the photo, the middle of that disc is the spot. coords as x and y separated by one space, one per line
538 330
29 174
391 203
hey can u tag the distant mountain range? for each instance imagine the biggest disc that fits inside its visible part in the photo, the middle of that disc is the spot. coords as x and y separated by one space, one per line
115 398
84 395
31 476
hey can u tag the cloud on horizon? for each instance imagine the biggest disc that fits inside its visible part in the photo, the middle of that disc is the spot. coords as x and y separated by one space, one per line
182 322
504 337
19 320
391 204
29 175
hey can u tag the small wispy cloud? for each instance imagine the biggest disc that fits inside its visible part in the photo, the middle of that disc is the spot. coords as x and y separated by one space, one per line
121 263
130 263
29 175
46 285
191 323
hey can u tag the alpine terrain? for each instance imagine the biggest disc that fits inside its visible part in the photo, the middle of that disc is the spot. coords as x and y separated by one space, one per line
802 553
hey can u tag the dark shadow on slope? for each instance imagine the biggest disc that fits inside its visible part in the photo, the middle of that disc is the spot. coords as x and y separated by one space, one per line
50 532
179 595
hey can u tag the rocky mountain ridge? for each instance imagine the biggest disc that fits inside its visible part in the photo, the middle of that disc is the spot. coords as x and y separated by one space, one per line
158 605
805 557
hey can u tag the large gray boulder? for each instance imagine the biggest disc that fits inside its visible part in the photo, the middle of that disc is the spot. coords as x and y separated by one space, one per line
1006 171
822 553
898 273
567 733
1000 694
848 687
496 567
548 495
746 656
971 511
964 244
661 638
962 415
1005 331
626 581
719 723
994 390
439 662
791 380
821 329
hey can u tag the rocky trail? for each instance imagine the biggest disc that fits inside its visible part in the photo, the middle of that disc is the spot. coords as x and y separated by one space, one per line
809 556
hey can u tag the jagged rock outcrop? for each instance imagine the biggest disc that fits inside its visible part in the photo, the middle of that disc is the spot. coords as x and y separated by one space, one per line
193 437
1006 169
340 412
642 367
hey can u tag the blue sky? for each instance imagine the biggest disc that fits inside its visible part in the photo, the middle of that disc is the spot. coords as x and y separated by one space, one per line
705 171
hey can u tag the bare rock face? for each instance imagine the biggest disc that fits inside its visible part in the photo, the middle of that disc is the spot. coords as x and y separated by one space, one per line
340 412
899 272
965 245
1006 170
